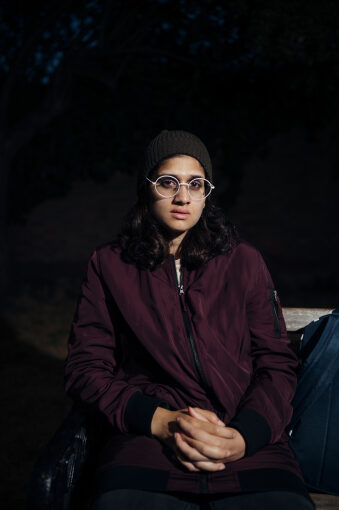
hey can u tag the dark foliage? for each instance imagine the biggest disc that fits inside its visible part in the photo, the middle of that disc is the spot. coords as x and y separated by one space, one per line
79 79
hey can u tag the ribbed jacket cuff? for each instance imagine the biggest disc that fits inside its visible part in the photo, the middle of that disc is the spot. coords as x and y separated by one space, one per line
139 412
254 429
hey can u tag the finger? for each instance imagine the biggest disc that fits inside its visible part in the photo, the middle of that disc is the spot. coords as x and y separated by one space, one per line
191 453
202 430
209 415
232 457
197 459
189 465
226 432
209 451
210 466
193 428
212 428
193 412
237 448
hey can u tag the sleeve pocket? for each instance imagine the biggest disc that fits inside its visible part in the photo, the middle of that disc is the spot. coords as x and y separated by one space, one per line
274 298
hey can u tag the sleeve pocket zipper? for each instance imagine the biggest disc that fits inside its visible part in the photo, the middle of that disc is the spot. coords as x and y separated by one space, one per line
274 301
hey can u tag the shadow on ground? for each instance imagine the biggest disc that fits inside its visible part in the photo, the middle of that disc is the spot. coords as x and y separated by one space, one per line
33 405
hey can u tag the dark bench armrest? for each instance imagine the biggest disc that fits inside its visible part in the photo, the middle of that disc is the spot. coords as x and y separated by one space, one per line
60 464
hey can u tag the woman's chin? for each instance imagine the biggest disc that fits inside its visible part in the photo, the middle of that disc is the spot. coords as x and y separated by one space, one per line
172 230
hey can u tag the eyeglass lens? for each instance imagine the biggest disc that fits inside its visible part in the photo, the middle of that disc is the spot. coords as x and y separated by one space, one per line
168 187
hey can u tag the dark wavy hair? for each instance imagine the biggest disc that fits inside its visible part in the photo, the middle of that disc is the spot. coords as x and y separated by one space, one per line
145 242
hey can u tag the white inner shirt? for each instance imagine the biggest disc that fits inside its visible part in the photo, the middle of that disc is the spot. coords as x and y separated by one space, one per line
177 267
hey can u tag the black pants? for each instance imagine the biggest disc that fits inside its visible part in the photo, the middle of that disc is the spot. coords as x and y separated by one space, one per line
126 499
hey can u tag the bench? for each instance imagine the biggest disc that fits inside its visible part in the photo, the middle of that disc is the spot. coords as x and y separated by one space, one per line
62 473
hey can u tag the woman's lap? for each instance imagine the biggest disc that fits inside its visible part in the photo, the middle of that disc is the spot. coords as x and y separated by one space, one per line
126 499
273 500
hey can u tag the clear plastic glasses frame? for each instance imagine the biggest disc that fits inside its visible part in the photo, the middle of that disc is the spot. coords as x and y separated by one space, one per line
188 184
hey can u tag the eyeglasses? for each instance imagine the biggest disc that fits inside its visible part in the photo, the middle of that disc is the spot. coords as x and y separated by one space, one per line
168 186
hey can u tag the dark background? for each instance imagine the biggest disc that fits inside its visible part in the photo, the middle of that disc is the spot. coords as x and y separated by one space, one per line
84 86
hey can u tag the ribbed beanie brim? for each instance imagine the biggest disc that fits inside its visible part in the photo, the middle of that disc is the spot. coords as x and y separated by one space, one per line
170 143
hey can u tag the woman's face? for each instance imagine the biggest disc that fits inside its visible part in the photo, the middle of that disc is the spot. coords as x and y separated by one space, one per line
179 213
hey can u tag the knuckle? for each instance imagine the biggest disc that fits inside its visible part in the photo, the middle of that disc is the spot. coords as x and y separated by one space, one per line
203 450
218 443
225 452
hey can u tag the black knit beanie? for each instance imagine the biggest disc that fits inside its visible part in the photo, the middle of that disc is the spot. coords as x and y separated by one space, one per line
170 143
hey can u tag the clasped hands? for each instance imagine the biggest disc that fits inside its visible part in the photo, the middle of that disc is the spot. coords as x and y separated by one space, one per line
199 439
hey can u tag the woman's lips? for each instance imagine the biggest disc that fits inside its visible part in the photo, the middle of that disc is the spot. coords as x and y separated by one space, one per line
180 215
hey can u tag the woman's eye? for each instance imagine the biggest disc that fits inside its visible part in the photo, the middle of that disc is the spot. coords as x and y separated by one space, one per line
168 183
196 184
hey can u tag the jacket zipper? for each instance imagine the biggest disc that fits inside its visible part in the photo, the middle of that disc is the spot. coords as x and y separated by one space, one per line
188 326
219 412
197 364
274 302
204 483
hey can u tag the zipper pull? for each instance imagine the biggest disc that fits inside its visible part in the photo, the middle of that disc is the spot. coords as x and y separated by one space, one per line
275 292
181 284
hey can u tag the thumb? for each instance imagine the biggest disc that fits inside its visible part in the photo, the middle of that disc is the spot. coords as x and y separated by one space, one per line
208 416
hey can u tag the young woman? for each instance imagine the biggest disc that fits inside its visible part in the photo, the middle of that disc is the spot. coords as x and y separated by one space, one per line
179 341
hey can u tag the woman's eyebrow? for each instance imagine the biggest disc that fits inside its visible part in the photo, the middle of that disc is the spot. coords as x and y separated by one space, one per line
190 177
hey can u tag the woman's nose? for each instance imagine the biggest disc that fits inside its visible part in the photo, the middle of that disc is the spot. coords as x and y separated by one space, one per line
182 195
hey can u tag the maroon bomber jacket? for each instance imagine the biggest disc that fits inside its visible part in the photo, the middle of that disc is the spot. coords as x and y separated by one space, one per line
218 342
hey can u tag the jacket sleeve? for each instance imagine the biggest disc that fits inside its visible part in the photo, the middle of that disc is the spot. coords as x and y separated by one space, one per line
92 362
265 409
